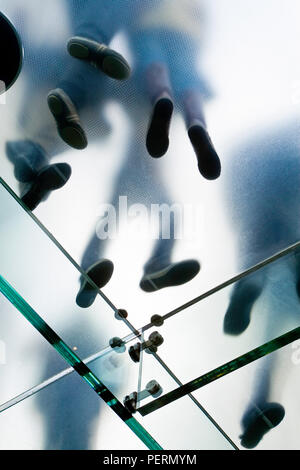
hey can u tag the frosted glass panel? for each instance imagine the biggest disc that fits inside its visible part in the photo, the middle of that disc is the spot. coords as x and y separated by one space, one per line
121 171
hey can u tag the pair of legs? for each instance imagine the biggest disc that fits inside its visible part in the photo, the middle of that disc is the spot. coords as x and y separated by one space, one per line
80 84
138 179
264 201
262 414
31 155
166 63
94 23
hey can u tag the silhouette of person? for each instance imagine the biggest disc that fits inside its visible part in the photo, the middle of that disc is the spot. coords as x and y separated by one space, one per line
263 198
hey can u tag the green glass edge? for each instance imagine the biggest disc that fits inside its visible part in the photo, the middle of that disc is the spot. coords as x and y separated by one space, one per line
74 361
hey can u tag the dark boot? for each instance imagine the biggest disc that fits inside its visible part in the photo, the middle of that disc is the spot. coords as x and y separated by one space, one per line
159 91
100 273
208 161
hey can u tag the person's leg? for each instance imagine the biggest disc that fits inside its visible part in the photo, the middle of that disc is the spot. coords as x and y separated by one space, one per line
97 268
263 202
69 410
265 410
48 179
244 295
79 87
262 414
131 181
208 160
95 22
151 71
31 155
191 90
139 180
27 157
160 271
259 234
159 91
264 232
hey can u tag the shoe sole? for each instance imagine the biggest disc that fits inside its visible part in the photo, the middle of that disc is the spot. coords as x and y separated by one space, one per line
100 273
208 161
49 179
115 66
78 51
175 275
71 134
238 315
259 425
112 63
158 134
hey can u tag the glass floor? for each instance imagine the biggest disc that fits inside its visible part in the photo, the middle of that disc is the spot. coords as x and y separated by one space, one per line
204 361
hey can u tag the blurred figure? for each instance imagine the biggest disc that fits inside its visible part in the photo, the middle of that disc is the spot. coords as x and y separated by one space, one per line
155 46
94 23
139 178
263 199
165 37
161 43
167 40
165 48
78 83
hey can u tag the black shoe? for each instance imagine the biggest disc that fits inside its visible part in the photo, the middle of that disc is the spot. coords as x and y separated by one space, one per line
27 157
100 56
158 133
100 273
175 274
257 422
48 179
208 161
237 317
67 119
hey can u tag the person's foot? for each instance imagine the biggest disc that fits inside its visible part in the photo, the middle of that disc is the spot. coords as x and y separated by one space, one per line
175 274
27 157
48 179
208 161
67 120
157 141
100 273
237 317
100 56
258 421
